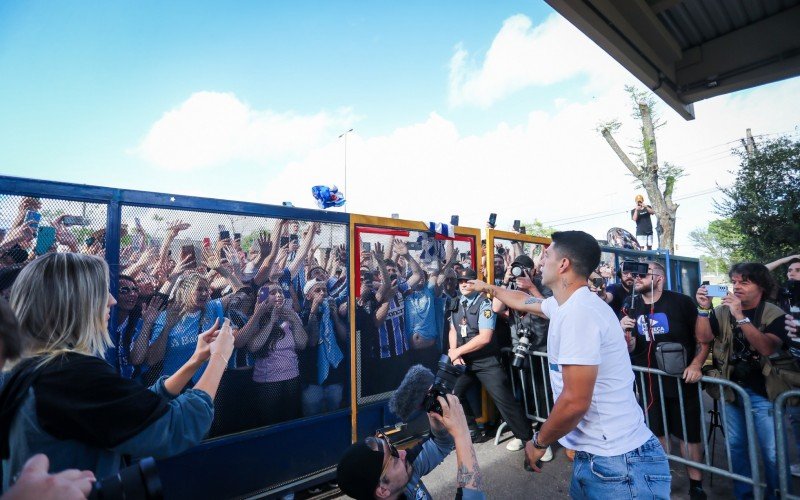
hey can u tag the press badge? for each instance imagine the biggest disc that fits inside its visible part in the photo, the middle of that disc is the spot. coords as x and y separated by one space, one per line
464 328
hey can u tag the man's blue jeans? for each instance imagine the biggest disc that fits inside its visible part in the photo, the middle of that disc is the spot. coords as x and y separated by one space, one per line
641 473
736 433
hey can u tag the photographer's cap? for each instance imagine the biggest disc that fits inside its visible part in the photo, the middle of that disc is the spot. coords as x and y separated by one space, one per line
467 273
524 261
359 471
639 197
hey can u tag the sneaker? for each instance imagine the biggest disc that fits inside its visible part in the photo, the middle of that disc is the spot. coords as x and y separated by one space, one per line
796 470
548 455
515 445
697 493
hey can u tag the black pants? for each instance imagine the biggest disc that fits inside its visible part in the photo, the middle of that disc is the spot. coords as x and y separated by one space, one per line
491 374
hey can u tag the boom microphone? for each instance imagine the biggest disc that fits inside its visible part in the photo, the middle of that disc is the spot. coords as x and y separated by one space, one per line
408 398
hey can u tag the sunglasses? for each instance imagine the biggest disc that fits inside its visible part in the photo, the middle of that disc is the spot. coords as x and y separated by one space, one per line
392 450
125 290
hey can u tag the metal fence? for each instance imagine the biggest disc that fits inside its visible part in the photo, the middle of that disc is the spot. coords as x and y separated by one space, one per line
781 435
531 384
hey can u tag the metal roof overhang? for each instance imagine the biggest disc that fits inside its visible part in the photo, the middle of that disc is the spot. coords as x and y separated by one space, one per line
689 50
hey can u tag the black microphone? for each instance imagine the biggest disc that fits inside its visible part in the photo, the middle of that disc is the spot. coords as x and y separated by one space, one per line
408 398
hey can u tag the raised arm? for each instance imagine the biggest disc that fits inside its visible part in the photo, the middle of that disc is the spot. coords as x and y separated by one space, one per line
519 301
305 245
783 260
400 248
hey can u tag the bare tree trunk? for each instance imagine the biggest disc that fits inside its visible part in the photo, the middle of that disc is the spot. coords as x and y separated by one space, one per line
648 174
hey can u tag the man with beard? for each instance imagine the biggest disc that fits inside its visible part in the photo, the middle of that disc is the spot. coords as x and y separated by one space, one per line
665 316
616 293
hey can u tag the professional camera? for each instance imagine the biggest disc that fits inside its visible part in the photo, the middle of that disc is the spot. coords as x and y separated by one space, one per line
139 480
522 349
517 270
443 384
635 268
789 295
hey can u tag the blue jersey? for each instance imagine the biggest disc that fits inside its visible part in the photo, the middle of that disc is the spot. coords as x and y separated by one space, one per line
391 333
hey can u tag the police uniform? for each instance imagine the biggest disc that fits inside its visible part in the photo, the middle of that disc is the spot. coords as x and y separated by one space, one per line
473 314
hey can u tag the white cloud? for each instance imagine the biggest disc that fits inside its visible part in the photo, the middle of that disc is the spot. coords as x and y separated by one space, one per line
213 128
522 55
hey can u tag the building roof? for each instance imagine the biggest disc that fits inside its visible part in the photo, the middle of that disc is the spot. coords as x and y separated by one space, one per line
690 50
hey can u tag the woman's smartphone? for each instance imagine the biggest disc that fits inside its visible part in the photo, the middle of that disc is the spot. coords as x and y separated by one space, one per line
45 239
188 251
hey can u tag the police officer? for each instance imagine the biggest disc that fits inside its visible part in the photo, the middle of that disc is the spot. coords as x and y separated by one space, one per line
471 344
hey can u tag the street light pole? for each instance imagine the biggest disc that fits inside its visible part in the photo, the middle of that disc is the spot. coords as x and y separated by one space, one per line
344 134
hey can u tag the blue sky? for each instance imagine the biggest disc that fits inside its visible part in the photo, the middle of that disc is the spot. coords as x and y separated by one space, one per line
245 100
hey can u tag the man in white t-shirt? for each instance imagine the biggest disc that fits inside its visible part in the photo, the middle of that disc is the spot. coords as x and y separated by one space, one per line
595 412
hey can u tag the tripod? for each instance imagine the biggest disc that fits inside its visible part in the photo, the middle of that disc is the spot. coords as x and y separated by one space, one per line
714 423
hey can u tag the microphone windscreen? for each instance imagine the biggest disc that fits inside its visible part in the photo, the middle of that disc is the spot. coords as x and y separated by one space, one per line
407 399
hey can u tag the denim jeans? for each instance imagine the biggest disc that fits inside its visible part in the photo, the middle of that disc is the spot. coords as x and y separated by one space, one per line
318 399
640 473
765 434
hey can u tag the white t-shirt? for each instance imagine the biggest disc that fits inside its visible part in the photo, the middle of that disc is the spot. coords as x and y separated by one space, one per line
585 331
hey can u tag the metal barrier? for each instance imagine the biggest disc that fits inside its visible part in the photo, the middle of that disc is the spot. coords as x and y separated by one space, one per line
784 473
538 400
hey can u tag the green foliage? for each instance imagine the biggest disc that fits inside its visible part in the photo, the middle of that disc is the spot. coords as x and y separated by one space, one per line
721 244
536 228
763 201
250 239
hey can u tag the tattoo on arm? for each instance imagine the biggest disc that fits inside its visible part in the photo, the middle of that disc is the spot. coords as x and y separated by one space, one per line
470 477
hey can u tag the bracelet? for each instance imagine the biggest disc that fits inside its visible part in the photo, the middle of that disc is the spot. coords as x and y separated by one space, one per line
703 309
536 443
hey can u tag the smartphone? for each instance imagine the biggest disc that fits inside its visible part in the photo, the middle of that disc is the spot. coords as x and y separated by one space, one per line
189 251
522 229
284 241
414 245
207 242
492 219
516 225
454 220
237 236
45 239
224 235
33 216
717 290
74 220
366 246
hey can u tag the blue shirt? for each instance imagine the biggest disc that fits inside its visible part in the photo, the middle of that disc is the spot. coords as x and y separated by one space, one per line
183 336
421 313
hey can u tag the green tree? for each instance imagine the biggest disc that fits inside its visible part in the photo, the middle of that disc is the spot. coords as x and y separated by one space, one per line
763 201
720 243
536 228
657 179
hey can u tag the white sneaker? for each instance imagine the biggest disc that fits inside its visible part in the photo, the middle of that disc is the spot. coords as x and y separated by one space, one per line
515 445
548 455
796 470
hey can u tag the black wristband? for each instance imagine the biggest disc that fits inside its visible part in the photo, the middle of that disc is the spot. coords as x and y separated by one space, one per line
536 443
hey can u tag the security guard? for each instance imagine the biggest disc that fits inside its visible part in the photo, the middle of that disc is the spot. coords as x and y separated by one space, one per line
471 331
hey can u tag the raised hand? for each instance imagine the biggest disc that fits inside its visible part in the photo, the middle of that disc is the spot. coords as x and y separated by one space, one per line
176 227
203 349
223 344
264 242
151 311
211 259
399 247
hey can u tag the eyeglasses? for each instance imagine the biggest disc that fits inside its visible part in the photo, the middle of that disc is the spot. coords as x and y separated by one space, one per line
125 290
392 450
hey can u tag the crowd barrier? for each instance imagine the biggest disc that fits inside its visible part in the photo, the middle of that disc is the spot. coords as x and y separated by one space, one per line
781 435
532 386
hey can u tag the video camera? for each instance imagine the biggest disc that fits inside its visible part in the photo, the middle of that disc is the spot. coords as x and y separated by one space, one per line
443 384
139 480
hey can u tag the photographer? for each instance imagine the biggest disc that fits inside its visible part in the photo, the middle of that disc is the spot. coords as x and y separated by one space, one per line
746 331
376 469
644 225
521 276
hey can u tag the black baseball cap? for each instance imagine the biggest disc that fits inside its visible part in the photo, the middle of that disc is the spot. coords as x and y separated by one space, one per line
467 273
359 471
524 261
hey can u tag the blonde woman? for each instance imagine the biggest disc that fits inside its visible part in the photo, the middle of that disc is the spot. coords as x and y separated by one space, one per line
168 337
62 399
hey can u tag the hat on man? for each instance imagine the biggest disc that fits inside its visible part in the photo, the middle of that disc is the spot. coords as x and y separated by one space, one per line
467 273
639 198
359 471
524 261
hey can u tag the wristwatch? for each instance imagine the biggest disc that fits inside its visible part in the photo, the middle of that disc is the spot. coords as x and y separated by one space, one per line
535 442
743 321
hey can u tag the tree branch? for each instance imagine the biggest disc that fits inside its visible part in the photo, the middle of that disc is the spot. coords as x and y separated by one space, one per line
620 153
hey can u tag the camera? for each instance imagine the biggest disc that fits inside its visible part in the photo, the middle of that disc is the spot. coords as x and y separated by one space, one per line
139 480
790 294
522 348
517 270
443 384
635 268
